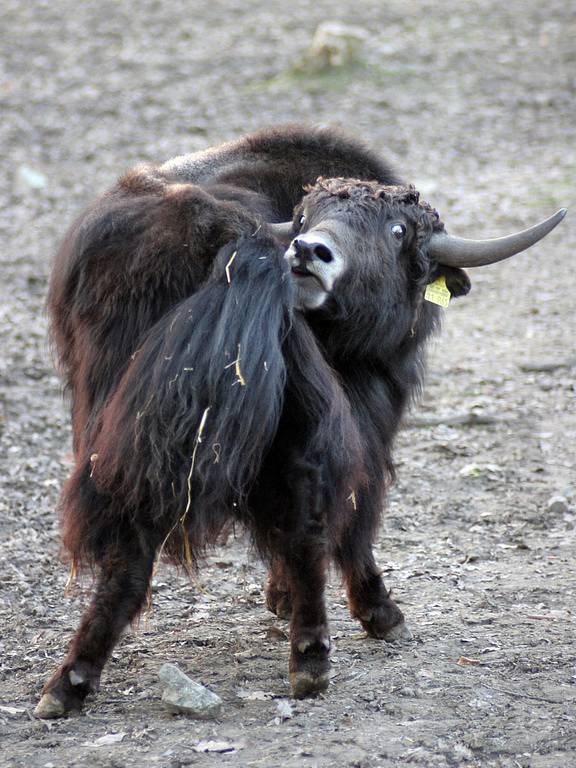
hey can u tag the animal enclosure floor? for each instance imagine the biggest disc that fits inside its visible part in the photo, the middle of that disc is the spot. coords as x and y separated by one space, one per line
474 102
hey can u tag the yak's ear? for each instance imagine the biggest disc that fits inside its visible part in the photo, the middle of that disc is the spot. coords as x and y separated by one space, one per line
457 281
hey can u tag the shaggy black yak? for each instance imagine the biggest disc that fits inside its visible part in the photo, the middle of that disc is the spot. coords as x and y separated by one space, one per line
225 365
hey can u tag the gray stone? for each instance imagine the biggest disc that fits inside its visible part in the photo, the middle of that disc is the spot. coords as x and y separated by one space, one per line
184 695
557 505
337 45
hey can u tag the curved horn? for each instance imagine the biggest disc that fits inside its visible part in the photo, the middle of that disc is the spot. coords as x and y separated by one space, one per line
282 229
460 252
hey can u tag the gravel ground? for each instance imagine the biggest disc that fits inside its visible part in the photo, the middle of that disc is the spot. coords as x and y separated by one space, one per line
475 103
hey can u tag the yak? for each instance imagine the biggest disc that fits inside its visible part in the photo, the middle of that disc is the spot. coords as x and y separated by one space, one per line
240 331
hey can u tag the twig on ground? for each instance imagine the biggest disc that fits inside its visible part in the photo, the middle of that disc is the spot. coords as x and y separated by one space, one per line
457 419
520 695
542 367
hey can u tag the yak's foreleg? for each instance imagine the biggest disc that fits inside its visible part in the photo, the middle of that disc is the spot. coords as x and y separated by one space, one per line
119 596
368 598
302 560
309 634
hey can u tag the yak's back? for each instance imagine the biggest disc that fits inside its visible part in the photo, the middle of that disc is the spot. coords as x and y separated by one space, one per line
278 162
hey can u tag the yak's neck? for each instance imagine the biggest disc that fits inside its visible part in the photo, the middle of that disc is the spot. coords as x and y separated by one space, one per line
380 375
345 347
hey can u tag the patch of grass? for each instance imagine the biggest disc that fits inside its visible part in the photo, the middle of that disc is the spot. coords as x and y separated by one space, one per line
334 79
557 191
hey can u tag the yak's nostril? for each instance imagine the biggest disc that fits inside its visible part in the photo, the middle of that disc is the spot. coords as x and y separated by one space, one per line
309 251
323 253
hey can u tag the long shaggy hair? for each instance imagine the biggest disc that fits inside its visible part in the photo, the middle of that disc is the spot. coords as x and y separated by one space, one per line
178 446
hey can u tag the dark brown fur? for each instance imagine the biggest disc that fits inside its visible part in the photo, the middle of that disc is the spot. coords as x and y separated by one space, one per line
199 396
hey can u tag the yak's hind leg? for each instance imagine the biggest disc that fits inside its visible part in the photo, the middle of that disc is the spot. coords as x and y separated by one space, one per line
368 598
119 596
278 598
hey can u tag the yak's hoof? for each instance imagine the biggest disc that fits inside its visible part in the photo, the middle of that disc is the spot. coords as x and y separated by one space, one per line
49 707
306 684
279 603
400 633
310 666
385 622
67 689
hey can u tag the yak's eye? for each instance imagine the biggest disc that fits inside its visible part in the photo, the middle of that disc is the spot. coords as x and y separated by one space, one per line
302 219
398 230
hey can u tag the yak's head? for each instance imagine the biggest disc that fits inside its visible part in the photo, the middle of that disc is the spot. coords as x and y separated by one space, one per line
360 239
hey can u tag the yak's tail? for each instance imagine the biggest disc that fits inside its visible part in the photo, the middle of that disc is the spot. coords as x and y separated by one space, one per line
185 432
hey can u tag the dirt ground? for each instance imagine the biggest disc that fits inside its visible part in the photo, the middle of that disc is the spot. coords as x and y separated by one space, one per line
475 102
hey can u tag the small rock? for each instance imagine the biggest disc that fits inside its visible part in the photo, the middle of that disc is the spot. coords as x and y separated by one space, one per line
478 470
13 711
462 752
284 709
409 693
28 178
254 695
184 695
217 746
105 741
336 45
557 505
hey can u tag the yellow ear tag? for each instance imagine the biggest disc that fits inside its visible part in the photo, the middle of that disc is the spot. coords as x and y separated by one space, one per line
437 292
